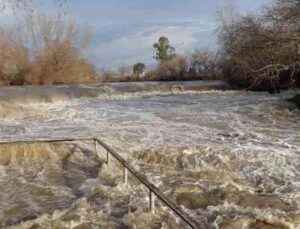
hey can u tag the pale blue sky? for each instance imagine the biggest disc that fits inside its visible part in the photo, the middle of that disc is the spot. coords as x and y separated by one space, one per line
124 30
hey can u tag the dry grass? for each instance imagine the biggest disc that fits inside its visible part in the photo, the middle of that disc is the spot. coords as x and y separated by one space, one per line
27 153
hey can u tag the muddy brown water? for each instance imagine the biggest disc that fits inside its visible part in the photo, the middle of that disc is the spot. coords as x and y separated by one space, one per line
230 159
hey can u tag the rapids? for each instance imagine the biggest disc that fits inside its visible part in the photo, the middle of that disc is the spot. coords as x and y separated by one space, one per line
229 158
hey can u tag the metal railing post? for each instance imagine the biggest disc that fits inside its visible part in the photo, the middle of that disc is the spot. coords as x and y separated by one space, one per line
125 175
152 201
96 147
107 158
154 192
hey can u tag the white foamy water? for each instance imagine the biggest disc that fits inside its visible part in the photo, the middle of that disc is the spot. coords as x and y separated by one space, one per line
229 158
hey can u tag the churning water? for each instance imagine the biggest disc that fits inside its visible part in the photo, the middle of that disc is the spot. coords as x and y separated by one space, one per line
230 159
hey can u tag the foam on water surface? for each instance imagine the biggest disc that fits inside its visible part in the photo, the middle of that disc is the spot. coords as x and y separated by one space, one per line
229 158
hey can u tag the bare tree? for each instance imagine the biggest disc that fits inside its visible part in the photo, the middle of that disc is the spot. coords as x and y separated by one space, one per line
52 52
125 71
262 51
58 49
173 69
205 63
14 58
26 5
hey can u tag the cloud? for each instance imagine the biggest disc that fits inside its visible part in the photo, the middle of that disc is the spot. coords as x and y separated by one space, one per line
126 30
137 46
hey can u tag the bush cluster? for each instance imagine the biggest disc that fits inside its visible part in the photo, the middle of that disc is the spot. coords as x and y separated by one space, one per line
47 50
262 51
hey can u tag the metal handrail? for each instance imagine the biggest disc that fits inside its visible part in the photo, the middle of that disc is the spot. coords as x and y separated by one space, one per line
153 191
42 140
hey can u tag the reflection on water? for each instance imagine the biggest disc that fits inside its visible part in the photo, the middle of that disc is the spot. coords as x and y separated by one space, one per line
229 158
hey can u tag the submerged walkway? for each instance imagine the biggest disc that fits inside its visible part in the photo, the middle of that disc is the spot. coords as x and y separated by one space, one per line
154 192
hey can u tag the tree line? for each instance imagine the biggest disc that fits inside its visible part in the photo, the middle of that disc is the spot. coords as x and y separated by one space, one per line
199 65
261 51
40 49
256 51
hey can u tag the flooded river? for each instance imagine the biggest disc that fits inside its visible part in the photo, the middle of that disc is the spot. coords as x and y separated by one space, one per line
229 158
